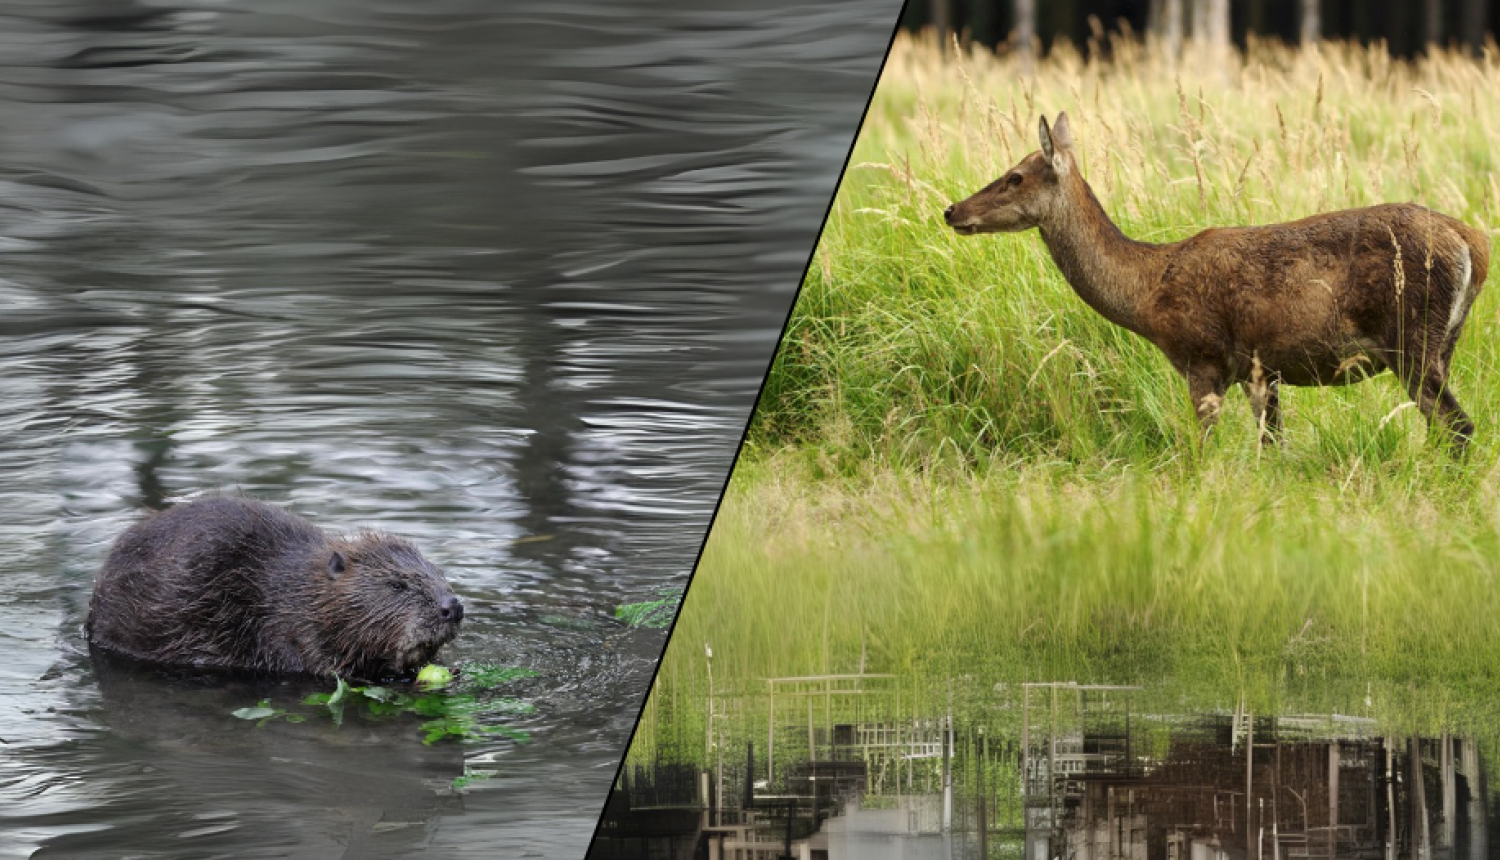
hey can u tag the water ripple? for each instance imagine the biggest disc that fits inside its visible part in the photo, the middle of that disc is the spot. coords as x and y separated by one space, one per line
502 279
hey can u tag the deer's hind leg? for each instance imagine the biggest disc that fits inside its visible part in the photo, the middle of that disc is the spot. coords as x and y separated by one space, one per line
1433 396
1461 294
1426 373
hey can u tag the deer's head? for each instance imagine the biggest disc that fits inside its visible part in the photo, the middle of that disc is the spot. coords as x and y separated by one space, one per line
1026 195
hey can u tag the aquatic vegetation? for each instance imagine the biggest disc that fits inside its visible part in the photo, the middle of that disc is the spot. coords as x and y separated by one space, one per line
264 712
454 710
650 613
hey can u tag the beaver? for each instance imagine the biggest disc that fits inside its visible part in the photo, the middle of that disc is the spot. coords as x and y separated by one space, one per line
232 583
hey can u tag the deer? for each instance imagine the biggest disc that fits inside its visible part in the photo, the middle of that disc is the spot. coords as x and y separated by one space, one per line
1331 299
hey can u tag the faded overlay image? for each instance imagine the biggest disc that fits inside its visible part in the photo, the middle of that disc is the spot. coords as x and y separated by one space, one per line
996 576
501 280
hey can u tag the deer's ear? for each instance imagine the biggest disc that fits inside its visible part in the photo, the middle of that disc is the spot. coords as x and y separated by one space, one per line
1062 134
1055 143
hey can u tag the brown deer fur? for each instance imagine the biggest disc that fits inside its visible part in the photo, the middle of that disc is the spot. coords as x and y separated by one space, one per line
1326 300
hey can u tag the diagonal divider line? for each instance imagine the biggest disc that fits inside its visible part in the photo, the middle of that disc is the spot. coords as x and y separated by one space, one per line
749 417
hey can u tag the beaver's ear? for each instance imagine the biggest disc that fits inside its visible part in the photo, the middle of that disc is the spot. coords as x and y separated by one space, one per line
336 563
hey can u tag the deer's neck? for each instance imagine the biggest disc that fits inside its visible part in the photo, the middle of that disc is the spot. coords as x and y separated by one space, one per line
1110 271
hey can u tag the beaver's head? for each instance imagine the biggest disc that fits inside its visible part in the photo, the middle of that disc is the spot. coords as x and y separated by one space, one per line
382 610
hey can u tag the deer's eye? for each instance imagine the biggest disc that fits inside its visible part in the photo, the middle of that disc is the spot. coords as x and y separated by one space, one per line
1013 180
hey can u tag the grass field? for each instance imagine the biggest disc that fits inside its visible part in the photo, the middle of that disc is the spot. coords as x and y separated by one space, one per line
959 469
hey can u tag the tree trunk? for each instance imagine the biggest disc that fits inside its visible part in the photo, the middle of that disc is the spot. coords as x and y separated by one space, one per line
1218 26
1312 25
1432 23
1211 26
1211 35
1172 27
1201 16
1025 32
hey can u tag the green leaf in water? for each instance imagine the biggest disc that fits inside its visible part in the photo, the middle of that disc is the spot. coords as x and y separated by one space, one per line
259 712
652 613
454 727
451 714
340 692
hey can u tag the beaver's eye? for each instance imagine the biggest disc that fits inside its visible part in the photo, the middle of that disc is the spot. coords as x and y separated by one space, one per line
1013 180
397 585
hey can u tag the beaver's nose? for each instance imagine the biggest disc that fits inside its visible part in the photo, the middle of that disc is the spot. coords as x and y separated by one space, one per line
451 609
948 214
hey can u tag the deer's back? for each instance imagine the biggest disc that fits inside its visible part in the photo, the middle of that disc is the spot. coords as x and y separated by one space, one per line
1308 294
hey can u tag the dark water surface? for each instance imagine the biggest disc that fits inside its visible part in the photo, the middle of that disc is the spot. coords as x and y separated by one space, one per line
500 277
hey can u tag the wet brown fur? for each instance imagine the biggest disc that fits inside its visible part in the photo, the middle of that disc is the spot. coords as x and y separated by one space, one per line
1326 300
230 583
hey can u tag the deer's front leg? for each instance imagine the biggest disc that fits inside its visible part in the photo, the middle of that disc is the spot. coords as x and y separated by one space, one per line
1206 388
1263 391
1272 423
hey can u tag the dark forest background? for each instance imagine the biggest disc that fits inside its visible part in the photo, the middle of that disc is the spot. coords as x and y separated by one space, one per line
1406 26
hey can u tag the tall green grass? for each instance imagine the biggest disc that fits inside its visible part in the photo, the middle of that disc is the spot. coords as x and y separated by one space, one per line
914 346
958 470
1225 588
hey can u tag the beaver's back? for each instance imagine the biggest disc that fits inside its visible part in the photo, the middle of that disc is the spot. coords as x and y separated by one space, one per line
194 584
237 584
